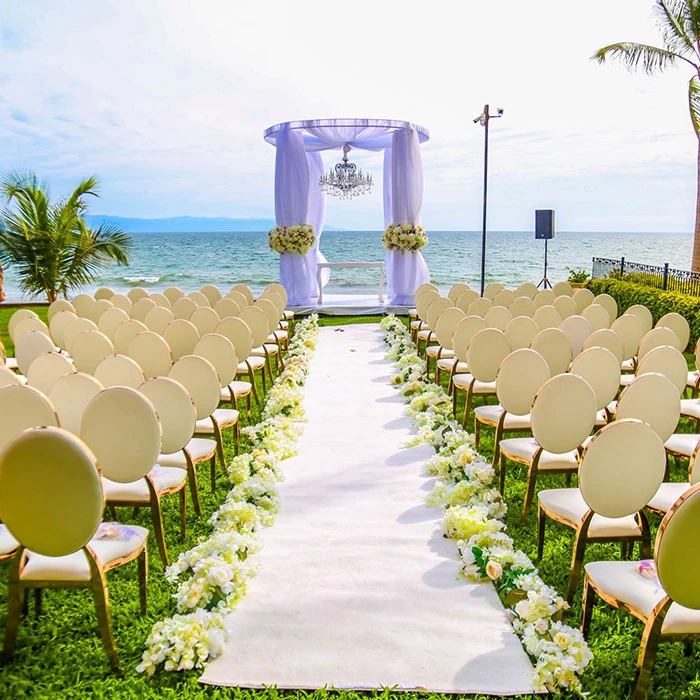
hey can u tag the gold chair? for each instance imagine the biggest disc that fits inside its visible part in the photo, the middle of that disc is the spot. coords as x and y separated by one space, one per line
669 607
47 368
620 470
181 337
57 525
554 345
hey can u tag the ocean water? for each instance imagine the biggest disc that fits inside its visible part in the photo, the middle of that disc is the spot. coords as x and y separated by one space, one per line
190 260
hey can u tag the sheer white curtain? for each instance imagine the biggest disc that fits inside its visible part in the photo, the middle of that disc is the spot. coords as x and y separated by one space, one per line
403 197
291 209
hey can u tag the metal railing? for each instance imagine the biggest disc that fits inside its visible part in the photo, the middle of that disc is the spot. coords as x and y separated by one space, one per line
665 277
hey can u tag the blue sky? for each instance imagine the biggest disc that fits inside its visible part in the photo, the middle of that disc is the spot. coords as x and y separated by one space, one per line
166 101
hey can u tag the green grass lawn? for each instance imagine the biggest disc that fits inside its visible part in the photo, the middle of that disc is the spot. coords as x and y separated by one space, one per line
59 655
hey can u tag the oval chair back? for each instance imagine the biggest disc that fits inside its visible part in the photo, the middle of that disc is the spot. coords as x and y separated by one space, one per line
526 289
600 368
465 299
140 309
158 318
152 354
220 351
29 346
83 304
55 307
463 333
74 329
238 332
668 361
268 307
622 468
435 308
104 293
121 427
654 399
479 307
498 317
679 325
597 316
554 345
608 339
199 298
562 288
60 513
608 302
519 378
89 349
175 409
111 320
205 320
643 314
631 331
563 413
583 298
161 300
455 290
565 305
173 294
504 298
577 329
520 331
125 333
547 316
58 325
137 293
258 324
30 324
46 369
200 379
228 307
119 370
545 297
247 292
18 316
184 307
445 326
276 299
522 306
10 378
23 407
492 289
100 307
181 336
655 338
121 301
240 299
488 348
70 396
212 293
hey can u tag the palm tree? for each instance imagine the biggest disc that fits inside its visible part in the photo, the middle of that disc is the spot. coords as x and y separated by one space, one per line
51 245
679 21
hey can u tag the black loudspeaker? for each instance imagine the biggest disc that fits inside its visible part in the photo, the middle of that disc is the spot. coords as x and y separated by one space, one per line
544 224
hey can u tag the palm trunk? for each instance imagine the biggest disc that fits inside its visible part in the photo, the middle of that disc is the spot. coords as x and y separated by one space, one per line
2 285
696 240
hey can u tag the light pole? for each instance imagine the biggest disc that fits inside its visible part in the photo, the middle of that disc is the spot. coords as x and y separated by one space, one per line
483 119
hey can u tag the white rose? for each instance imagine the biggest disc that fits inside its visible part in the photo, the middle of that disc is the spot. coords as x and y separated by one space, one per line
494 570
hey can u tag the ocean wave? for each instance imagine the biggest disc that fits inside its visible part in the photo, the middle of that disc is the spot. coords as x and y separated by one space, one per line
141 280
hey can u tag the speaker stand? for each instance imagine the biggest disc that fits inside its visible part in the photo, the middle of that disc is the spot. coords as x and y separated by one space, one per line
544 282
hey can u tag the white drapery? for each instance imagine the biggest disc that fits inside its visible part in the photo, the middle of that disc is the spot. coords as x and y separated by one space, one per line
299 199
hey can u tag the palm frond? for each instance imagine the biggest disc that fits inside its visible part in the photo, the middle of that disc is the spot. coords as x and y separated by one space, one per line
694 103
651 59
691 10
679 34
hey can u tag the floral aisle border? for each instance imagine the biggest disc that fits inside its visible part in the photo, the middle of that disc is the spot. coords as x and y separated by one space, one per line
474 518
212 576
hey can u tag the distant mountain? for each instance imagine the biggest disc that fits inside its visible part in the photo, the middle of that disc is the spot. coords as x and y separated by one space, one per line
184 224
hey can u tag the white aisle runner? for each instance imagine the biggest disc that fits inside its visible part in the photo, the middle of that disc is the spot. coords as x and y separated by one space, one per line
357 587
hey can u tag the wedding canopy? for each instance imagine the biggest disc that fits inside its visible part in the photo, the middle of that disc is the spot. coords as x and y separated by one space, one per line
299 199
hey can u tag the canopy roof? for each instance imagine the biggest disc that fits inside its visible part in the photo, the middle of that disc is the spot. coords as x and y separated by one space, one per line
329 134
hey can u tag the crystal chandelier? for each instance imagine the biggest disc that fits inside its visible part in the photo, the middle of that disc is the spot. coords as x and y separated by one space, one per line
345 180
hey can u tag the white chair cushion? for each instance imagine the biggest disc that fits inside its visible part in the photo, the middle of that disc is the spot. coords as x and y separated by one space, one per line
239 389
416 324
491 415
448 363
524 449
621 580
693 378
682 443
225 417
667 495
164 478
11 363
626 379
690 408
289 314
569 505
426 334
75 567
255 361
601 418
7 542
627 365
434 350
462 381
199 449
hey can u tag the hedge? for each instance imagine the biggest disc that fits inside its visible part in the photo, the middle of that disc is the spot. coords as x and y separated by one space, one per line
658 301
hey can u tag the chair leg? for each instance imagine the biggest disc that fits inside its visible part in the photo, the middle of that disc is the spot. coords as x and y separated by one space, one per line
587 607
477 433
251 377
143 580
496 444
647 654
530 491
541 521
577 558
192 479
502 475
157 517
104 621
14 607
183 513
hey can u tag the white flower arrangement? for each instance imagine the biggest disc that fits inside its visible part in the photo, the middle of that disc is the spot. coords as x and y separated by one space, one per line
406 238
474 512
291 239
212 576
